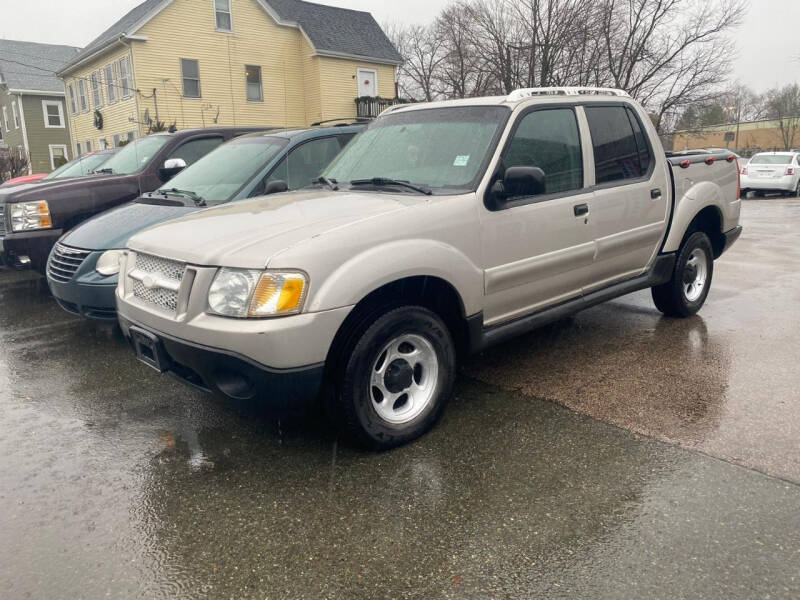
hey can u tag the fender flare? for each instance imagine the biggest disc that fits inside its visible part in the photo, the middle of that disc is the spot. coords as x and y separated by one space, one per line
696 199
377 266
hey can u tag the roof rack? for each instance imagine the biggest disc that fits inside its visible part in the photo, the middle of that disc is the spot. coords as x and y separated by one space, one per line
564 91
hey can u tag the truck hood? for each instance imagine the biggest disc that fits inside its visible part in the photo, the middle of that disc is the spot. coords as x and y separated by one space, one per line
113 228
48 190
247 234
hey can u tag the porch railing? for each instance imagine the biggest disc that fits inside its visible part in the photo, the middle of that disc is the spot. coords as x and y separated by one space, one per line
372 106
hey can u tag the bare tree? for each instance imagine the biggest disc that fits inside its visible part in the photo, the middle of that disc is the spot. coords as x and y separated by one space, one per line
422 51
783 105
12 164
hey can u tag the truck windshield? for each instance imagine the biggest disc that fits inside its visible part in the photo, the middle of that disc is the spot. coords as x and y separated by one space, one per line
79 167
442 149
771 159
221 173
134 156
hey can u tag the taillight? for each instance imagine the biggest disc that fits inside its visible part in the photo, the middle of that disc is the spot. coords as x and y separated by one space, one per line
685 163
790 170
710 160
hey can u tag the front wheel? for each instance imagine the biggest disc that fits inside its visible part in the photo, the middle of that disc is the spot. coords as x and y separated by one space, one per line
397 379
685 293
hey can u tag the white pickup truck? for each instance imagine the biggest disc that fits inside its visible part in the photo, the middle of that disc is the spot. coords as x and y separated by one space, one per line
442 229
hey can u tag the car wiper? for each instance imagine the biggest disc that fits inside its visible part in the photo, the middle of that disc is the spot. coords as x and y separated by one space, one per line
383 181
331 183
197 199
107 170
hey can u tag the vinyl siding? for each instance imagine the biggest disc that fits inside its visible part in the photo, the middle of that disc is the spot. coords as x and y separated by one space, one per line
13 137
186 29
313 99
40 137
340 85
116 117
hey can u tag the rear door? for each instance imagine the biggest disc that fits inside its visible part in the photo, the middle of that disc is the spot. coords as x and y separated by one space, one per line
630 205
538 249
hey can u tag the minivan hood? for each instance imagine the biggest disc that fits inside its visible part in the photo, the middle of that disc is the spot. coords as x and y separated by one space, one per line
247 234
113 228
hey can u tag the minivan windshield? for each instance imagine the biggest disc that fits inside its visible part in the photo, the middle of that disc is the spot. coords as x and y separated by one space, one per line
79 167
134 156
221 173
771 159
438 148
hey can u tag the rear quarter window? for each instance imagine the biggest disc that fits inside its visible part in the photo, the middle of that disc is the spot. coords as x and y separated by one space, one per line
617 154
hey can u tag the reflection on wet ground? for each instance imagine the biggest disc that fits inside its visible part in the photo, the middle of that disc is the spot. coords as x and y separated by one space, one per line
117 482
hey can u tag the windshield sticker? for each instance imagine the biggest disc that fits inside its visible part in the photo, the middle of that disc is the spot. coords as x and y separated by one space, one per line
461 160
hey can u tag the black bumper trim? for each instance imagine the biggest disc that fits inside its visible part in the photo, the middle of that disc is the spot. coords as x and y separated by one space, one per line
730 237
237 377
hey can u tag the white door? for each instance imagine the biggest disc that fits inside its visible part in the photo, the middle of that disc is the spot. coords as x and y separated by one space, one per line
367 82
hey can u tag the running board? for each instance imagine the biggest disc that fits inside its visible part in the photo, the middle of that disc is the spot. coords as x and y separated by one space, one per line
484 337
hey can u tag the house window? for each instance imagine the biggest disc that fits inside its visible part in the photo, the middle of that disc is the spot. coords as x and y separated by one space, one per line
131 136
5 118
73 105
79 147
222 10
252 74
16 115
116 140
111 87
125 77
58 155
88 145
190 71
102 143
53 114
82 99
97 93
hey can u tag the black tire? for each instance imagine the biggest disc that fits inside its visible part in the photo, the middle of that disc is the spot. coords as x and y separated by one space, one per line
671 297
759 194
353 403
797 191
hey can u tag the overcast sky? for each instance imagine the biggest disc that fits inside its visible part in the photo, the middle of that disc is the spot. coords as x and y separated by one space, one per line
769 44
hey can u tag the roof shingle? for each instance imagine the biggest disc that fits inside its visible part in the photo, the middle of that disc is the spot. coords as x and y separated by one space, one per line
32 66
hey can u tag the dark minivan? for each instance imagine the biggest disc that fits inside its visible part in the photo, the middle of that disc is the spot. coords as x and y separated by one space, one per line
33 217
83 266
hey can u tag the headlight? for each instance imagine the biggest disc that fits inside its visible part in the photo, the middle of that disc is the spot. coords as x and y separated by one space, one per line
30 215
251 293
108 263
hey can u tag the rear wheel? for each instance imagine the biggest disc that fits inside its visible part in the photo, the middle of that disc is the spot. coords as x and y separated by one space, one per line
396 377
685 293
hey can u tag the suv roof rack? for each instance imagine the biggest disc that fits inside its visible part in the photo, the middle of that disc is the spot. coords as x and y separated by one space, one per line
564 91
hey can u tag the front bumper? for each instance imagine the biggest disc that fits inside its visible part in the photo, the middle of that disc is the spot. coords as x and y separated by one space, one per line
87 293
36 245
232 375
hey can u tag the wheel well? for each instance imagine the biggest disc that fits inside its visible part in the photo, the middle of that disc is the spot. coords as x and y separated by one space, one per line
709 221
433 293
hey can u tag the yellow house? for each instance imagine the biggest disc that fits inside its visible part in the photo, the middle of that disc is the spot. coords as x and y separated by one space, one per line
200 63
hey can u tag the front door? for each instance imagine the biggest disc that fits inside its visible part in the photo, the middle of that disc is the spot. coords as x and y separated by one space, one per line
538 250
367 82
630 207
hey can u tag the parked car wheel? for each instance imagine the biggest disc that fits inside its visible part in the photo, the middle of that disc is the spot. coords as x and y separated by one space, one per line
397 377
797 190
685 293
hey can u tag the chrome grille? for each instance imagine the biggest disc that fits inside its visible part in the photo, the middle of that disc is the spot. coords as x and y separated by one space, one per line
65 261
156 280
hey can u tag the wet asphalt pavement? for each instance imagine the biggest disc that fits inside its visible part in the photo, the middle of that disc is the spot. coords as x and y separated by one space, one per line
616 454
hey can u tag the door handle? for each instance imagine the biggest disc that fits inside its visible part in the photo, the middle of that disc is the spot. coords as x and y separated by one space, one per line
580 210
655 194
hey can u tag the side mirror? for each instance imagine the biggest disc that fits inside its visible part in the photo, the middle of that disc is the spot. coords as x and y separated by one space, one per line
524 181
276 186
172 166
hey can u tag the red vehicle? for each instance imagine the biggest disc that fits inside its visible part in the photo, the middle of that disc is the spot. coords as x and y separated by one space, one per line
25 179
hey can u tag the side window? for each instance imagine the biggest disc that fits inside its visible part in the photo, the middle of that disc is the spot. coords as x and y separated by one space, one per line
193 150
305 162
645 158
616 154
549 139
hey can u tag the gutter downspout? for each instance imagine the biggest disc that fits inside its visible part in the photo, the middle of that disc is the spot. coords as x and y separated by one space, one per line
24 133
135 89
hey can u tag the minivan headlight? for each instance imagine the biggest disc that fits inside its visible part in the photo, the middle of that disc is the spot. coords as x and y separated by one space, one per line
30 215
251 293
109 261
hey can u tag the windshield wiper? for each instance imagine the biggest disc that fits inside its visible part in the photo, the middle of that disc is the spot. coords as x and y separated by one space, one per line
383 181
197 199
331 183
107 170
